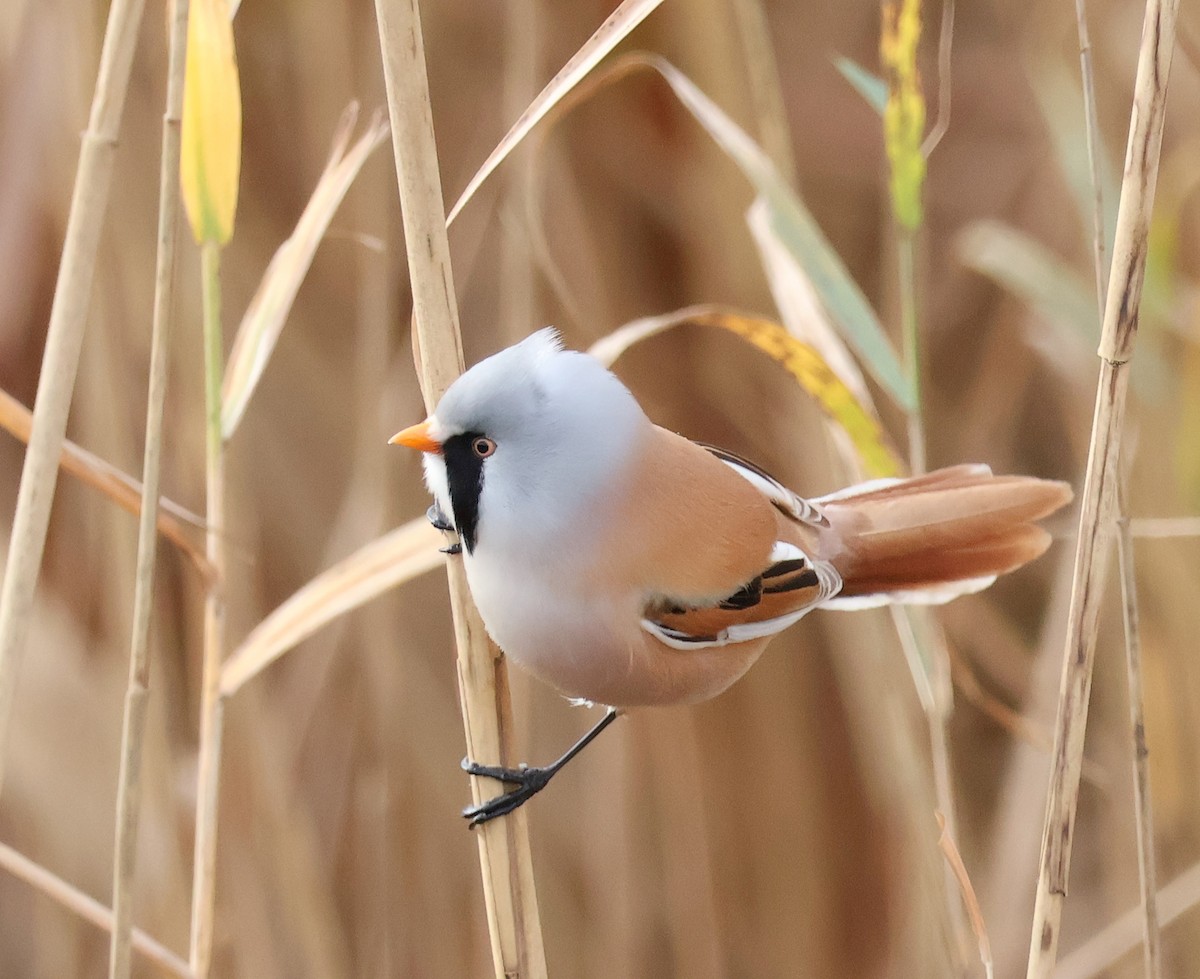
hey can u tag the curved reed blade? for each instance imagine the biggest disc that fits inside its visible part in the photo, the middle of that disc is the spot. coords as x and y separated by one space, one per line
406 553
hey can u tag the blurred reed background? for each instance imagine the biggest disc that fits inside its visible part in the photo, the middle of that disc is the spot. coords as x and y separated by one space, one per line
786 829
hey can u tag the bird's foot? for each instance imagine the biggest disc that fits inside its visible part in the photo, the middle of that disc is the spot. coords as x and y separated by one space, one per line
441 522
439 519
528 781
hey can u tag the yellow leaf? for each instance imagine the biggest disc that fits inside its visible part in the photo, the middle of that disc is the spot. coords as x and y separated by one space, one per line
796 357
904 114
212 123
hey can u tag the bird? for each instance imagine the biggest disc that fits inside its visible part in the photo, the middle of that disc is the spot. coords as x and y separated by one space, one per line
628 566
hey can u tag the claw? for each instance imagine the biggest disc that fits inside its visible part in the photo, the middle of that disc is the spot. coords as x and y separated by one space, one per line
529 782
439 519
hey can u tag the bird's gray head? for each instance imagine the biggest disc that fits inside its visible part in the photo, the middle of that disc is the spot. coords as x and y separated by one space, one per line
524 440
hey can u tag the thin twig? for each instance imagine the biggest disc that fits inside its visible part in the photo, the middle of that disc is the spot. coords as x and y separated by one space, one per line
967 890
129 784
212 705
1100 952
506 864
945 49
1092 127
1116 348
1143 810
64 339
1014 722
910 329
88 908
1165 527
929 662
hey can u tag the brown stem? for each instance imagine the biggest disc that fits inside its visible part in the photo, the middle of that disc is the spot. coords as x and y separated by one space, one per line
1116 348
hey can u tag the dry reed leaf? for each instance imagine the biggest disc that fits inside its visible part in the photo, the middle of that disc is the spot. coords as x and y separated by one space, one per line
789 222
178 524
798 304
212 123
805 318
606 37
269 309
799 233
799 359
399 556
1033 273
765 84
974 914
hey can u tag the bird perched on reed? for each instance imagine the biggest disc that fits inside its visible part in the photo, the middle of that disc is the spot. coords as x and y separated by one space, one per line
628 566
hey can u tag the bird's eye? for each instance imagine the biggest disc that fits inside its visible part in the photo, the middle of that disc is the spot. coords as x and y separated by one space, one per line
483 447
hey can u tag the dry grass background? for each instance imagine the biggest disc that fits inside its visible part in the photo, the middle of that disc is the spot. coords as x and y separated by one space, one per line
785 829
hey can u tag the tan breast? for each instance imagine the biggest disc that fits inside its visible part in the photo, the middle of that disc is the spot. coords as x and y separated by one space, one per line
690 527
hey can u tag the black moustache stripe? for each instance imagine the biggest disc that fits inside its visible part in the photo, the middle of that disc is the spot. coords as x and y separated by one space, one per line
464 473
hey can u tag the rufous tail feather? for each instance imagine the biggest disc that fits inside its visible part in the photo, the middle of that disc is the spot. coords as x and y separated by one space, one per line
933 537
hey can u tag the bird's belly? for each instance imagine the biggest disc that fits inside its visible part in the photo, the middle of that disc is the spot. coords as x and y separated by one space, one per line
598 651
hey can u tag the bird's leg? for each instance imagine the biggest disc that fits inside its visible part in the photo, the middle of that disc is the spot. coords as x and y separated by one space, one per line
441 522
528 781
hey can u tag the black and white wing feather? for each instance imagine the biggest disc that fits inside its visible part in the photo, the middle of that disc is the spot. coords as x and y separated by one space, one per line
792 584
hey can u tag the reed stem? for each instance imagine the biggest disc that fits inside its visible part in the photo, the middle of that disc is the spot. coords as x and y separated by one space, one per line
211 702
129 784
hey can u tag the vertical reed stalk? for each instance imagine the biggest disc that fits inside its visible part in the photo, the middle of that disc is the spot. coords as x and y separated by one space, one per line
505 861
129 785
64 339
1143 809
212 705
1116 349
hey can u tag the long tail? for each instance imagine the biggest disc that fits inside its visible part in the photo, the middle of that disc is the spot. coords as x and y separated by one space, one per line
934 537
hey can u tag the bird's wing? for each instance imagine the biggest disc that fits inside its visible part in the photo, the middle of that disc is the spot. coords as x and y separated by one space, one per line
791 586
722 550
787 502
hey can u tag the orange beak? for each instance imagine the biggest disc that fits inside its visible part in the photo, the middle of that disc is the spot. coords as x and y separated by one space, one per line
417 437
